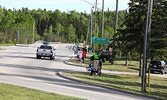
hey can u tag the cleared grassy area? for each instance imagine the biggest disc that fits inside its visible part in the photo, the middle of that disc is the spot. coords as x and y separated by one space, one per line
119 65
6 44
126 82
13 92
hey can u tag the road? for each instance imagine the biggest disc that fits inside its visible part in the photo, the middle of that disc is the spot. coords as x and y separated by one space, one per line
19 66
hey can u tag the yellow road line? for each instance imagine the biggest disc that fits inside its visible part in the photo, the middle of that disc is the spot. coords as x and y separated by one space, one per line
20 59
14 62
1 68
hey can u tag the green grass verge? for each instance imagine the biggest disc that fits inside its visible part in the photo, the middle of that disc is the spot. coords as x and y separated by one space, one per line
13 92
6 44
119 65
129 83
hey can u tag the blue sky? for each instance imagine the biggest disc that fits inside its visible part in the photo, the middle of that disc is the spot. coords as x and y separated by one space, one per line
62 5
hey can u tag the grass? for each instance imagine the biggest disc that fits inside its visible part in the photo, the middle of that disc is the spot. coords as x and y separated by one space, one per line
119 65
6 44
13 92
130 83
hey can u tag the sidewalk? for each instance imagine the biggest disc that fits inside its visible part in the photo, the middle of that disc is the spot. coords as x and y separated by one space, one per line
69 62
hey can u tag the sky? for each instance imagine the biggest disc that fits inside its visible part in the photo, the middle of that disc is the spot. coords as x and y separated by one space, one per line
63 5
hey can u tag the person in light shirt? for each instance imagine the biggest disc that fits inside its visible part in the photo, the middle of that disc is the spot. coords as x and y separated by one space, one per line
80 53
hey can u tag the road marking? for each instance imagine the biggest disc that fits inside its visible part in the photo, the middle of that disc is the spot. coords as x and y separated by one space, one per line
14 62
1 68
3 50
20 59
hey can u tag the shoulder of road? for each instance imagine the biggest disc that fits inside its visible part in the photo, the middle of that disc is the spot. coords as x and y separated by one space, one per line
69 62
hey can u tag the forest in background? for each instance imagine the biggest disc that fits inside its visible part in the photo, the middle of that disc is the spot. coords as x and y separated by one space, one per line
72 27
61 26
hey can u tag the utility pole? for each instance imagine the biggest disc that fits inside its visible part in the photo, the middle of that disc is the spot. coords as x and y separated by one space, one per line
33 32
18 35
115 31
102 26
95 26
87 33
147 31
91 28
51 33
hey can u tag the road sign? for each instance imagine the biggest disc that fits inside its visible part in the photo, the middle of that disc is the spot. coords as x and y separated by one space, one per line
18 34
50 38
99 40
26 36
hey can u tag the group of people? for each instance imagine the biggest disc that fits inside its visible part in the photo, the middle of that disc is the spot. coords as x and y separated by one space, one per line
82 55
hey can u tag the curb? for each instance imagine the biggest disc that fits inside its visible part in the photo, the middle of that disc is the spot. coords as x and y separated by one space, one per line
67 62
106 87
73 64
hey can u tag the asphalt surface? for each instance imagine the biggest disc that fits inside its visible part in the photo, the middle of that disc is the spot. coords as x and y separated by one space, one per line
19 66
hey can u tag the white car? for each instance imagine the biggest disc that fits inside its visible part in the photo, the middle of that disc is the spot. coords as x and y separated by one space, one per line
45 51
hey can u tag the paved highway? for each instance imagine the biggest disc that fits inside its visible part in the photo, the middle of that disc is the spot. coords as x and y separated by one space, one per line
19 66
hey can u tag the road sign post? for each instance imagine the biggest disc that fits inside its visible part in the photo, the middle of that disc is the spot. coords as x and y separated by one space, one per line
18 35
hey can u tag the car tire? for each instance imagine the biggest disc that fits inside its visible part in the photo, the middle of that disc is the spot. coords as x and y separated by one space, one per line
162 72
92 58
104 60
51 58
38 57
151 71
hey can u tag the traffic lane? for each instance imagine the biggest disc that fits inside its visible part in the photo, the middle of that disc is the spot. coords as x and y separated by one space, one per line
68 87
38 74
12 53
43 75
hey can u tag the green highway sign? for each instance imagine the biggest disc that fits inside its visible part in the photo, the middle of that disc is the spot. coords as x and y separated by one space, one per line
99 40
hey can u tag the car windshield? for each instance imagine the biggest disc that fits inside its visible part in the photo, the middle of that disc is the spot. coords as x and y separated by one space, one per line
45 47
156 62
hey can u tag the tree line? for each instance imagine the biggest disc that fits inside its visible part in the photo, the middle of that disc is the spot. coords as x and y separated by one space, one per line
61 26
132 36
72 27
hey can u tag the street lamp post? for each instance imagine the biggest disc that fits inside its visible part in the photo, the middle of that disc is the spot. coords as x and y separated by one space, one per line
95 26
102 26
115 31
95 20
87 35
91 28
33 32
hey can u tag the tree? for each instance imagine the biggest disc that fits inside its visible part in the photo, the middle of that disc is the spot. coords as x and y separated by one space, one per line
158 41
132 37
71 33
58 29
68 26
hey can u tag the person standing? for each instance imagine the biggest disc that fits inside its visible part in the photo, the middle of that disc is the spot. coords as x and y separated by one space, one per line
80 53
100 67
83 55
